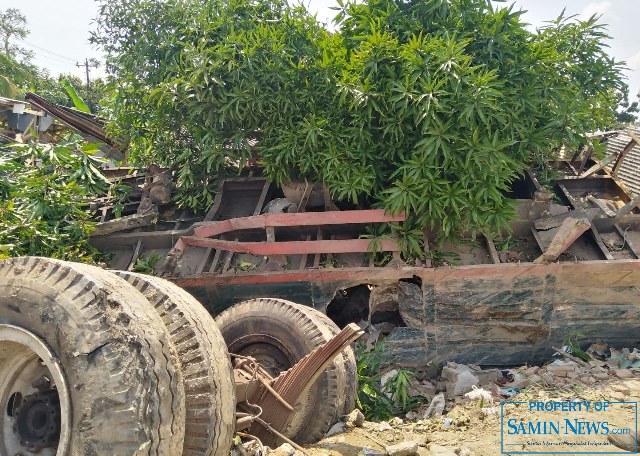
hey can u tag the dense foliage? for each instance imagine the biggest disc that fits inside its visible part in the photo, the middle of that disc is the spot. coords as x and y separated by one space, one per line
44 194
426 106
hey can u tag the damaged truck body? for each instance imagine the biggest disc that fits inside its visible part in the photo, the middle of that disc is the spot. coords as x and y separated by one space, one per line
570 265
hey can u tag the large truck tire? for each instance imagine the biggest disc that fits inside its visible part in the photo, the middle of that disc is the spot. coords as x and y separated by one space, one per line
278 333
86 365
208 376
345 363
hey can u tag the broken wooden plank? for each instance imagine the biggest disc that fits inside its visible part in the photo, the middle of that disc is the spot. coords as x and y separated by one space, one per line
631 205
601 204
215 261
622 155
587 157
493 252
208 229
598 166
570 230
125 223
262 198
603 248
136 254
555 221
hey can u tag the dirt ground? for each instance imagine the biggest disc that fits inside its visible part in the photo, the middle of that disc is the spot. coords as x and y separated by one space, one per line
470 431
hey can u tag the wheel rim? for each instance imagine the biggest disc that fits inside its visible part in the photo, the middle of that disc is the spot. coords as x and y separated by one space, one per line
270 352
34 397
274 356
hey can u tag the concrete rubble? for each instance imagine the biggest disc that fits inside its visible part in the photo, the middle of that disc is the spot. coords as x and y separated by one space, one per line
460 399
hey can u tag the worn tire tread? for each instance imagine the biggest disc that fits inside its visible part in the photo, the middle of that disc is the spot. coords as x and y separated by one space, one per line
205 363
322 413
113 348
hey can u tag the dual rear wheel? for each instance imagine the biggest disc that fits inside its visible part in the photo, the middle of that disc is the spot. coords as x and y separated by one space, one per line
94 362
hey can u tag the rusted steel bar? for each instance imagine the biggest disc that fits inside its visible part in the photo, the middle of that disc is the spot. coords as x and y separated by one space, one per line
292 384
291 247
266 383
209 229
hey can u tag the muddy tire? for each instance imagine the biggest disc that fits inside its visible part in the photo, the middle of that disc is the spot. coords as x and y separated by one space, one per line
204 359
345 363
278 334
106 351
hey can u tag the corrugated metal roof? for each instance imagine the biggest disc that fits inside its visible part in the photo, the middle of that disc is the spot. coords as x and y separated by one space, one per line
84 123
629 172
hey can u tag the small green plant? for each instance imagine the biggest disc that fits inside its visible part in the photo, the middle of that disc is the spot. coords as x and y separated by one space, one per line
376 234
376 401
571 341
504 245
441 258
120 194
145 265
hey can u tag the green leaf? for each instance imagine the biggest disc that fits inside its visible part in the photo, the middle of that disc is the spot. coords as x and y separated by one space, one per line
78 102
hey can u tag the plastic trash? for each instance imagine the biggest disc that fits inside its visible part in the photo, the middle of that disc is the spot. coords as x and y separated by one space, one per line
479 393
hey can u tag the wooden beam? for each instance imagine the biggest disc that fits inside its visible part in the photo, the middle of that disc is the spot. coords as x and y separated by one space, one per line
603 248
585 159
136 254
570 230
621 156
631 205
262 198
598 166
555 221
124 223
493 252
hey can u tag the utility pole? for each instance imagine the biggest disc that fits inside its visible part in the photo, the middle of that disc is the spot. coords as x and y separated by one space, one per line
86 66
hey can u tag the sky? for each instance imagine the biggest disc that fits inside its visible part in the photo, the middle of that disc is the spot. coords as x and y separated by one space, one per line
60 29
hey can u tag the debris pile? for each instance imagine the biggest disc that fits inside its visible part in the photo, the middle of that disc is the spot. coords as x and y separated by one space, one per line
604 364
459 411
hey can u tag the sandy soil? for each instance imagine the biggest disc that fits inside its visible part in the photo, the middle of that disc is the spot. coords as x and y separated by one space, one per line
472 432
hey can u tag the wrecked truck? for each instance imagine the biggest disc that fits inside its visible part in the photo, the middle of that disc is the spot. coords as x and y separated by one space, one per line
119 362
570 265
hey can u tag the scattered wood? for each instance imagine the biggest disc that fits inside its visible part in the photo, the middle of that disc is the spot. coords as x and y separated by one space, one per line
631 205
602 205
570 230
125 223
598 166
493 252
555 221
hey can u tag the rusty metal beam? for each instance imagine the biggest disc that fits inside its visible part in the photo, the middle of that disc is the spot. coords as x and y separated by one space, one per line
291 247
292 384
209 229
